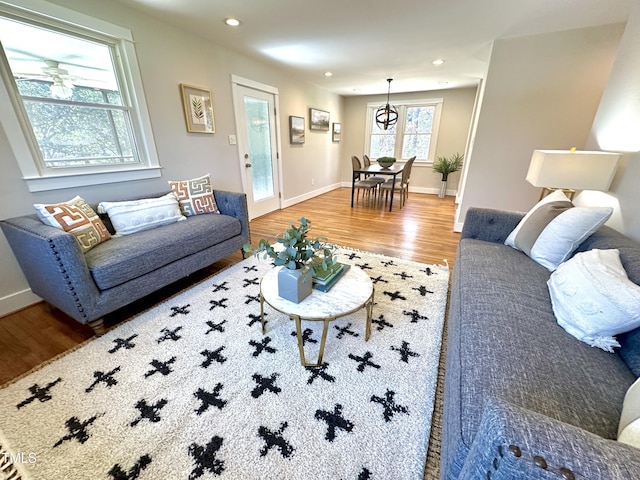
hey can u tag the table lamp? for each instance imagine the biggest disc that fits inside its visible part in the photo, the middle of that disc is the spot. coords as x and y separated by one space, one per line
571 170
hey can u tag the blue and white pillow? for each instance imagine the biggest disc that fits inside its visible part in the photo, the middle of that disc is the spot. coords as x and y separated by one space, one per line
137 215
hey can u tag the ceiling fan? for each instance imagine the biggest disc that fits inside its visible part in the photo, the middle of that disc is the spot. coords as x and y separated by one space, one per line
62 82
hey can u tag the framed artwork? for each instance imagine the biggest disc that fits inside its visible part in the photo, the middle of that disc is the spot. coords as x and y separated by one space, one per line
296 130
336 132
318 119
198 109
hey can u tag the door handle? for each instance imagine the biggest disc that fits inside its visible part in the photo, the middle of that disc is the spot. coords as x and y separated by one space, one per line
248 165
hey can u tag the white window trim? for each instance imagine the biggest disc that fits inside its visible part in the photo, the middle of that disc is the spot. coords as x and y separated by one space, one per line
407 103
19 135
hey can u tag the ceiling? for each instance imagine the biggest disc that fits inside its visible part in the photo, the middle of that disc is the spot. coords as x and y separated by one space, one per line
364 42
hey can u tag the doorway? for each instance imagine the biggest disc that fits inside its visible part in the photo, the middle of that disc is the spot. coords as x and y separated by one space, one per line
257 128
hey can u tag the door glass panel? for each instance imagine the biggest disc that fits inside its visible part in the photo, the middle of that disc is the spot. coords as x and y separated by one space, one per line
259 136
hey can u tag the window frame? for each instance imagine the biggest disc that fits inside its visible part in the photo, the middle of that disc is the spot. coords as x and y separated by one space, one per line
400 125
18 127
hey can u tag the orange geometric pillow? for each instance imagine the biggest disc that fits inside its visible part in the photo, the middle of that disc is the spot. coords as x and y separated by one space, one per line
195 196
76 218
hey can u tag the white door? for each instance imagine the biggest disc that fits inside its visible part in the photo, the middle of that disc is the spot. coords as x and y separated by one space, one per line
258 148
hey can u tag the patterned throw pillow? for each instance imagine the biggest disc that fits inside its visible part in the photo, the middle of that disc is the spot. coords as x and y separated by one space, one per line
195 195
554 228
76 218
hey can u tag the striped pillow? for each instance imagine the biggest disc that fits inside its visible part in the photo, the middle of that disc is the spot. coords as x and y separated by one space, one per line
554 228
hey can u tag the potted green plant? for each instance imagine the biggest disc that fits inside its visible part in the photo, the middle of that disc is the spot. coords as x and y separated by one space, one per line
386 162
299 256
445 166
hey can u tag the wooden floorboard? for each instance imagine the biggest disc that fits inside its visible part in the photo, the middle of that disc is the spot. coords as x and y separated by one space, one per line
421 231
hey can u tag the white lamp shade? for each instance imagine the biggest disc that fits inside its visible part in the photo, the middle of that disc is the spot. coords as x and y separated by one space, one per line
577 170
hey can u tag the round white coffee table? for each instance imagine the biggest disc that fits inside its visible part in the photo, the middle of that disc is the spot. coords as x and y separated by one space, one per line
353 291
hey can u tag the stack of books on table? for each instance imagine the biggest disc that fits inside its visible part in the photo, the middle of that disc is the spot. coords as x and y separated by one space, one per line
325 278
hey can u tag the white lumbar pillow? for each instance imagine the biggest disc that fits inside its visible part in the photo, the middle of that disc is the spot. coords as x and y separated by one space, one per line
552 230
593 299
629 428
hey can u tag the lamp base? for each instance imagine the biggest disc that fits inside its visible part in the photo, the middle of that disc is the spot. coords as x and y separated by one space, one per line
569 192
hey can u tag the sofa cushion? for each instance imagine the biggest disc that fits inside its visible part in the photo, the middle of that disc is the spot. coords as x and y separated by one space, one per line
77 218
137 215
554 228
593 299
131 256
510 346
195 196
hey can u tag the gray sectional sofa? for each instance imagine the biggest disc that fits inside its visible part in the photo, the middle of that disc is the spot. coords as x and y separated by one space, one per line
523 398
87 286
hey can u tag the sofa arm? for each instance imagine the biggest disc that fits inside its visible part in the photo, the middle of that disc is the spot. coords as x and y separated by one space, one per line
513 442
53 264
235 205
490 225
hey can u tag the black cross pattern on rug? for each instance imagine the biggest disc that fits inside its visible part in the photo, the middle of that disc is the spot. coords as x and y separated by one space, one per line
255 318
319 372
403 275
160 367
210 357
415 316
378 279
205 458
364 266
390 407
252 298
251 268
77 430
389 263
42 394
422 290
170 335
381 323
365 474
101 377
342 331
306 336
183 310
364 361
429 272
222 286
218 303
405 352
395 295
334 421
149 412
264 384
250 281
262 346
125 343
209 399
352 255
275 440
215 327
134 472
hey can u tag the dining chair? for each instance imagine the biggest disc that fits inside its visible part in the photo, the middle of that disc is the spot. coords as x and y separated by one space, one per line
369 186
401 186
367 162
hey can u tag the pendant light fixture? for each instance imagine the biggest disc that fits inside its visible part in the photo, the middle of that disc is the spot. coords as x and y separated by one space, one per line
387 115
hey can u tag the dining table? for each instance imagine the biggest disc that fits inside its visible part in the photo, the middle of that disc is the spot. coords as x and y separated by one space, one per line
376 169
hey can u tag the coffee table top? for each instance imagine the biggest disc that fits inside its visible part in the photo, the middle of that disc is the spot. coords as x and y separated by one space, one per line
348 295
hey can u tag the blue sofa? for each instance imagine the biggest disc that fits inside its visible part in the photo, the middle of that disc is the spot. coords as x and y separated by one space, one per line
87 286
524 399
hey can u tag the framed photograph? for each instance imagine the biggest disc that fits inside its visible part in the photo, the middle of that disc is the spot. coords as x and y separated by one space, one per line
198 109
318 119
296 129
336 132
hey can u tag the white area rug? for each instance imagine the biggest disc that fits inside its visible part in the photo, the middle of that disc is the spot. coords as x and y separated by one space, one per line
192 389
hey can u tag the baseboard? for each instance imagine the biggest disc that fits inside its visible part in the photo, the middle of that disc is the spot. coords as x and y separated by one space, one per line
17 301
314 193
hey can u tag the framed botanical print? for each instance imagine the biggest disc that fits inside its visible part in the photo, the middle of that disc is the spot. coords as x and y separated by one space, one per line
198 109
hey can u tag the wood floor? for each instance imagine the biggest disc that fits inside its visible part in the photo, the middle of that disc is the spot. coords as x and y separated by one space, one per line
421 231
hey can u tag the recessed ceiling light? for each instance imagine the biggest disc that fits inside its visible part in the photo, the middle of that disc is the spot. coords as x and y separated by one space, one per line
438 61
443 83
232 22
328 74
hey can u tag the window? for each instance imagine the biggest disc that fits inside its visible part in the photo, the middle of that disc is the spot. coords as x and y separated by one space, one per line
79 116
414 134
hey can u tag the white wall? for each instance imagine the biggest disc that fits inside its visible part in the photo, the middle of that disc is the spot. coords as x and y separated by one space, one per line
540 92
617 128
455 120
167 57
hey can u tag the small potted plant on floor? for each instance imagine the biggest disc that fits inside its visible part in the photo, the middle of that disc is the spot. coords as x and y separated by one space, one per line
445 166
299 256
